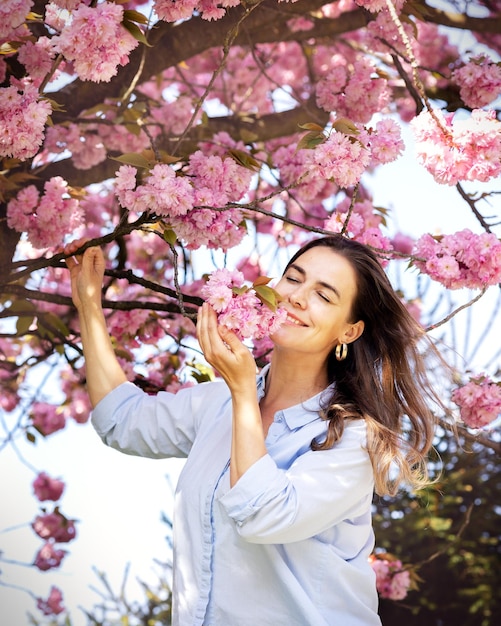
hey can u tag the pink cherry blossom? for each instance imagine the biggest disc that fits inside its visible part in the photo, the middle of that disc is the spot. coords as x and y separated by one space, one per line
463 259
37 58
392 581
87 26
12 14
238 306
479 401
54 526
47 418
47 488
341 158
479 81
47 218
454 150
53 605
48 557
22 121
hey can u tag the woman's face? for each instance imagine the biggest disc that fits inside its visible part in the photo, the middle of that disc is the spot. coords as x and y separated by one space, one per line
318 291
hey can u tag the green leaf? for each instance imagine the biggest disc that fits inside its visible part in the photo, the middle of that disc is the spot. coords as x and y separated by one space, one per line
23 324
56 322
136 32
135 16
135 159
244 158
261 280
170 236
346 126
311 126
310 140
268 296
202 373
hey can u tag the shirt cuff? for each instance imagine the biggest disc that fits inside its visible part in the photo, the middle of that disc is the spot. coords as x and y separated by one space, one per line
104 414
254 489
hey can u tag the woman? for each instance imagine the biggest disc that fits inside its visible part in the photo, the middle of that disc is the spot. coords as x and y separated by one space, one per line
272 521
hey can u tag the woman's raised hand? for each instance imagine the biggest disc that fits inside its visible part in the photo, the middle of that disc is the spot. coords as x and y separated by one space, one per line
225 352
87 273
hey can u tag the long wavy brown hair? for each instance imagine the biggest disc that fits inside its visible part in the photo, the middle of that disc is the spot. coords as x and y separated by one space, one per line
383 379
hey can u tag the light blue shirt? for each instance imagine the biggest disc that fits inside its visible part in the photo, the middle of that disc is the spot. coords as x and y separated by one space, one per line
288 544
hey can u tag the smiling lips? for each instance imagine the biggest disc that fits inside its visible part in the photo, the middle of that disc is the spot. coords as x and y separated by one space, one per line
291 319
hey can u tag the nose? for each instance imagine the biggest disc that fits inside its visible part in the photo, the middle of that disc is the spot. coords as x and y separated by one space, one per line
297 297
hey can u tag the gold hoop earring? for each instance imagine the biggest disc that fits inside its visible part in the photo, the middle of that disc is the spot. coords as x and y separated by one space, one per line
341 351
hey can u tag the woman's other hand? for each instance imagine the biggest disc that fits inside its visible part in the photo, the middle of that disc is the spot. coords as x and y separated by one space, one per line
87 273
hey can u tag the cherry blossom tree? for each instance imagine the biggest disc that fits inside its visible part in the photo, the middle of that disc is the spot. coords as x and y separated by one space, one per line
205 136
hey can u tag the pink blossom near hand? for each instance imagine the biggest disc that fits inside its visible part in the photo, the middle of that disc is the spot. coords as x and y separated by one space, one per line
47 488
392 580
54 603
22 121
479 81
77 42
54 526
48 557
463 259
239 307
479 401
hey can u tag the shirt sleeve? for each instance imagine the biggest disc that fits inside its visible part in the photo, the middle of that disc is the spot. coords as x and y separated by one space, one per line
319 490
159 426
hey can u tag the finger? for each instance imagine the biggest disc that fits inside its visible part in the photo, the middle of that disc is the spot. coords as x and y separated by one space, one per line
71 247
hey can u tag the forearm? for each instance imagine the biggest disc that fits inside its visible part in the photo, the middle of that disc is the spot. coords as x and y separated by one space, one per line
103 371
248 442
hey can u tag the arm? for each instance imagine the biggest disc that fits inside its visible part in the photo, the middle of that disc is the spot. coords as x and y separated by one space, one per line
319 492
224 351
103 370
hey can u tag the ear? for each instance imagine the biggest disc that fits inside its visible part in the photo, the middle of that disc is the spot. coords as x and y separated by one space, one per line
353 332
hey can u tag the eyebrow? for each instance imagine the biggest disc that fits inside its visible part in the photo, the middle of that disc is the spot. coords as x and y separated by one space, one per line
301 271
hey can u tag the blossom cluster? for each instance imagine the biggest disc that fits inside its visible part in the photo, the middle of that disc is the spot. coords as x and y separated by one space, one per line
392 581
52 527
22 121
182 9
239 307
479 81
47 218
463 259
342 159
479 401
54 603
186 200
78 41
13 13
356 93
454 150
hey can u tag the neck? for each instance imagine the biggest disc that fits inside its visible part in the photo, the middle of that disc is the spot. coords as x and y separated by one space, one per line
289 382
